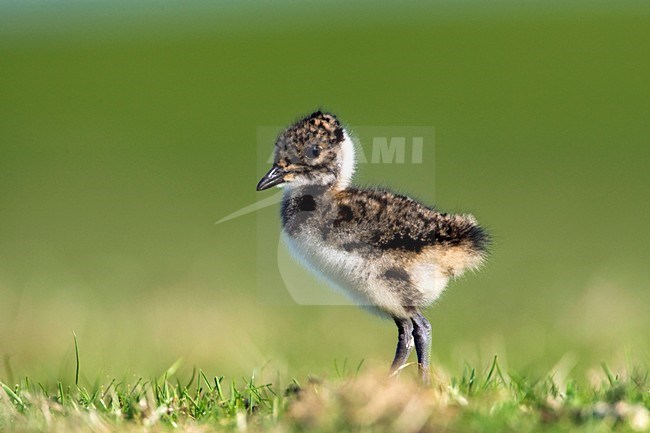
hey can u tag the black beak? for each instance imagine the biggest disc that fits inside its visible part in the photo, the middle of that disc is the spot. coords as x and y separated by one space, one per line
275 176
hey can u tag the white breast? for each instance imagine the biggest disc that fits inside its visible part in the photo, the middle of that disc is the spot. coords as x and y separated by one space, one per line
350 273
341 269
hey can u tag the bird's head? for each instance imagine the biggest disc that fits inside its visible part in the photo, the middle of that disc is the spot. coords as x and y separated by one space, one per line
314 151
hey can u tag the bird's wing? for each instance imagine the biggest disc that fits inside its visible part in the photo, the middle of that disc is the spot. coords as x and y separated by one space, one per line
381 220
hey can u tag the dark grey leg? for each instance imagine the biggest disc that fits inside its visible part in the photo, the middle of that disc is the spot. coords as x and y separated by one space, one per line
422 337
404 342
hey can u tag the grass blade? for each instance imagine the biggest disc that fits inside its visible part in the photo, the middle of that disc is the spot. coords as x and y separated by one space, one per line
489 375
13 396
76 355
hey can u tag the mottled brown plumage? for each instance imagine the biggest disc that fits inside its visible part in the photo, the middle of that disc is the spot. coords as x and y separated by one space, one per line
390 253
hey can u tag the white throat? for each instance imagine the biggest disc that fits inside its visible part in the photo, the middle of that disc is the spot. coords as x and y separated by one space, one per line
346 161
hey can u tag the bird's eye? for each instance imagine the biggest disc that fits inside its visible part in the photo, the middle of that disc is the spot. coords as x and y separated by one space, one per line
313 151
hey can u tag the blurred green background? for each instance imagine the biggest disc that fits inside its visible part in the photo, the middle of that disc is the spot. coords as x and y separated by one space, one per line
127 130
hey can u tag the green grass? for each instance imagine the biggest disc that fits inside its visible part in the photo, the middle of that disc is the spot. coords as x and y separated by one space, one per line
472 400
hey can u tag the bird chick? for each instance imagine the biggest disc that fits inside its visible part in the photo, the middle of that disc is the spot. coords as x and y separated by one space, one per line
391 254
